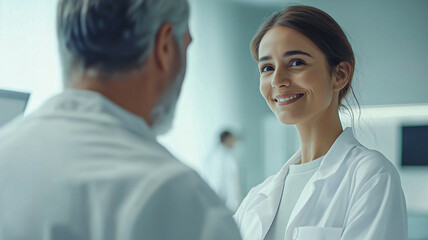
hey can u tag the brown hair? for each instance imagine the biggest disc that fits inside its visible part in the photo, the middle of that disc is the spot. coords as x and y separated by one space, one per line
321 29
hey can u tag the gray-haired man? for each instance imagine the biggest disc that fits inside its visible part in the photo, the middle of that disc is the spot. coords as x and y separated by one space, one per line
87 165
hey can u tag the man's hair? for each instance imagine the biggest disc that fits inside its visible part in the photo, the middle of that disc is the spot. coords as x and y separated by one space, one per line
114 36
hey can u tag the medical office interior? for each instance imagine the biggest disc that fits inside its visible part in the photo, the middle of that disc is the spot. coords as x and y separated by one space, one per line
221 89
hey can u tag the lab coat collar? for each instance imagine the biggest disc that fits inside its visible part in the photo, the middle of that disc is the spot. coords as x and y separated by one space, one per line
329 165
337 153
91 104
278 179
271 193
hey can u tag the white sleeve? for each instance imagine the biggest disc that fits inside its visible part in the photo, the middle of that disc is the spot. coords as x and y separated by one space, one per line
243 208
378 210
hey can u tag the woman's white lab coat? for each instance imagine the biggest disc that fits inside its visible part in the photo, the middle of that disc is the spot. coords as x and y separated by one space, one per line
356 194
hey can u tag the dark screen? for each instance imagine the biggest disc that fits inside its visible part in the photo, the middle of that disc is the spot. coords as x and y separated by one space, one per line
414 146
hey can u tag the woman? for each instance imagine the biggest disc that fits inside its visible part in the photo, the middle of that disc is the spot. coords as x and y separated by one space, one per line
333 187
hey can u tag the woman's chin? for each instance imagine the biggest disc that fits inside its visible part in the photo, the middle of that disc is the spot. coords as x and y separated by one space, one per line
288 121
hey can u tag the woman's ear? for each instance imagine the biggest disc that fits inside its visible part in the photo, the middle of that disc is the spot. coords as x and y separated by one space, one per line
342 75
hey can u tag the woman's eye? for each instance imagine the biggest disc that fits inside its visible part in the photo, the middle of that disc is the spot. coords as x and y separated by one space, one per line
297 62
267 68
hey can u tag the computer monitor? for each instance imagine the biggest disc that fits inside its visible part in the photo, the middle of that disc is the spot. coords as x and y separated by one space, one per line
12 104
414 151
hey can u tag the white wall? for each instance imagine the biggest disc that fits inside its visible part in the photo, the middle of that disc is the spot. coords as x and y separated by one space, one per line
29 60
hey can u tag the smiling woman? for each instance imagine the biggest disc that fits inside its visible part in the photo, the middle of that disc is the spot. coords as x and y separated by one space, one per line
333 187
297 84
310 33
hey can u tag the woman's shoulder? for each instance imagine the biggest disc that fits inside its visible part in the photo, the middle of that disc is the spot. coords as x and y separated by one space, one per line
366 163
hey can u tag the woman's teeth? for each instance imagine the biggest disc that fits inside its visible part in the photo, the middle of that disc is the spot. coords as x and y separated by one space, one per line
289 98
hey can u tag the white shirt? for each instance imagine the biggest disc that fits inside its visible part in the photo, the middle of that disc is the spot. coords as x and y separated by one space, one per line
83 168
355 194
297 178
221 172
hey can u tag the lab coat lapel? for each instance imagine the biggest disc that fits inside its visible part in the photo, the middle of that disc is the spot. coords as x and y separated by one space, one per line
266 209
337 154
329 165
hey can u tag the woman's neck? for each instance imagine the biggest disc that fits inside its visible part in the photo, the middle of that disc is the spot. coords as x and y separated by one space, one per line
317 136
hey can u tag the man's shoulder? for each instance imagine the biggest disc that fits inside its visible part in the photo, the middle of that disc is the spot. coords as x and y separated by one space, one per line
185 181
182 203
154 174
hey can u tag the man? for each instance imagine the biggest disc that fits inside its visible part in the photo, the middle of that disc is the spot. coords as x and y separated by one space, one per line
221 171
87 165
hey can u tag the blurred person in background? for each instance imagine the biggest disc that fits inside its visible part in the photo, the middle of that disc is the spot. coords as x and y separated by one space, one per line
333 187
220 170
87 164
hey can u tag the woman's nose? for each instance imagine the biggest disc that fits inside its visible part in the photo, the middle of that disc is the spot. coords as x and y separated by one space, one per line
280 79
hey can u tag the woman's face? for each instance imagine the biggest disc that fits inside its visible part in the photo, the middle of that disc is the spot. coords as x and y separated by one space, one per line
294 77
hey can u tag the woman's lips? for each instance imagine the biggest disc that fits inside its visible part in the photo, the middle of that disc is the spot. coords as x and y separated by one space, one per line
286 99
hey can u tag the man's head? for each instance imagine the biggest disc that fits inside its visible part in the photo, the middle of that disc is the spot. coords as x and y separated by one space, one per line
114 36
131 51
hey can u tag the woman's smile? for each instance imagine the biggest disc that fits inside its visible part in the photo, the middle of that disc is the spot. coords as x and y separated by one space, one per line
286 99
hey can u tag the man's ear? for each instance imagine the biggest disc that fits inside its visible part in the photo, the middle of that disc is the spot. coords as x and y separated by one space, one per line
342 75
164 47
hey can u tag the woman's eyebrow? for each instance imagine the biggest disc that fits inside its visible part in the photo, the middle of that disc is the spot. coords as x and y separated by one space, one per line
296 52
265 58
286 54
